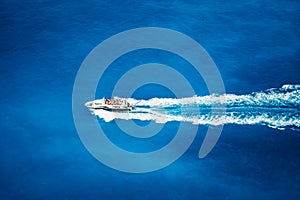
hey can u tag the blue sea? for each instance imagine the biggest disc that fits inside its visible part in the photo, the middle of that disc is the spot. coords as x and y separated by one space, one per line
254 44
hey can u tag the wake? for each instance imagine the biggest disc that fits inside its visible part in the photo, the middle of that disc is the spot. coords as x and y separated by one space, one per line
277 108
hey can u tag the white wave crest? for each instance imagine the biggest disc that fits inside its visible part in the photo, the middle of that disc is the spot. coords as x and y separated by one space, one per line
276 108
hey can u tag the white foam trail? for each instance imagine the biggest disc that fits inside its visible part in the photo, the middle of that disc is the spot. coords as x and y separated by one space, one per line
276 108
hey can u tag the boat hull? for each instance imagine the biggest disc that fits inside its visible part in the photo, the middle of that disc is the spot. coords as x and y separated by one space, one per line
114 109
101 105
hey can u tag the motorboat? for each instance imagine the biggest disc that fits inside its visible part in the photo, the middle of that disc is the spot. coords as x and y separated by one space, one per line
115 104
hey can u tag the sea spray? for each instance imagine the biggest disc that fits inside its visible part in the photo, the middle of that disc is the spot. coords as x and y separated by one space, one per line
276 107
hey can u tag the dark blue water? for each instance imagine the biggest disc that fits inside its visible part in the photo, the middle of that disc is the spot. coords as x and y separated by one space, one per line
43 43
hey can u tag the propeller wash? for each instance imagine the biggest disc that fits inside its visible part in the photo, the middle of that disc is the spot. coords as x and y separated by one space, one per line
277 108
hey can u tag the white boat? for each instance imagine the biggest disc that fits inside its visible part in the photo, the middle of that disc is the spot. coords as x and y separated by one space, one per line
115 104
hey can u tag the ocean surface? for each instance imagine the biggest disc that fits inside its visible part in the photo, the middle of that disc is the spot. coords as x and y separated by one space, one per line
255 45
